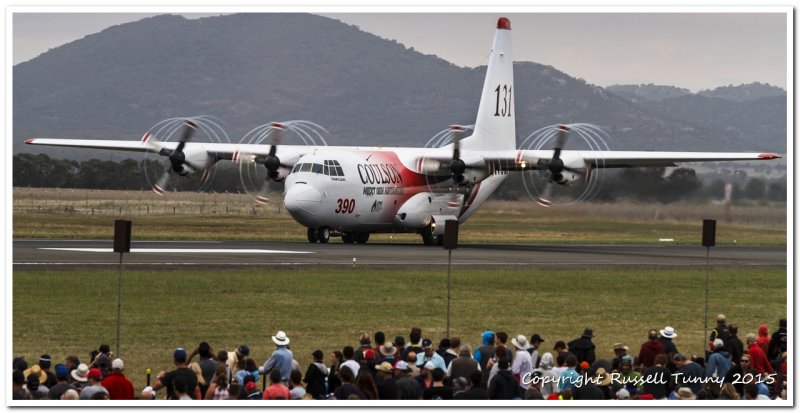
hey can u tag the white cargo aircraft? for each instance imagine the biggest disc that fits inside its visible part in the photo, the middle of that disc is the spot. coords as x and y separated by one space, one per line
353 192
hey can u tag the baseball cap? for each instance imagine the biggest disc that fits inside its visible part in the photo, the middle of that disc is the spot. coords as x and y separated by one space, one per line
179 354
250 386
244 350
427 343
95 374
62 371
401 365
117 364
429 366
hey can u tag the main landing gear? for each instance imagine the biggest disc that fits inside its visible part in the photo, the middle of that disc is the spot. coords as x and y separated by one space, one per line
323 235
428 238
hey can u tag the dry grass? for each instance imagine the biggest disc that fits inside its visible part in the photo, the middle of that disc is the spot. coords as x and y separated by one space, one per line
65 213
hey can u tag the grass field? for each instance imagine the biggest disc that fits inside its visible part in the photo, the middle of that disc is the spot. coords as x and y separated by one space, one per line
88 214
70 312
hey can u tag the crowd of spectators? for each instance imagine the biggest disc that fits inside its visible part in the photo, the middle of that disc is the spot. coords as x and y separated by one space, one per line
382 369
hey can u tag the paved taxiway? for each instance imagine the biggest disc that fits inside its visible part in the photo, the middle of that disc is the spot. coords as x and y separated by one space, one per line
29 253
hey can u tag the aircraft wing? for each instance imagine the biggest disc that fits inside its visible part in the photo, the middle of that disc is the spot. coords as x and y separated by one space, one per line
229 151
536 159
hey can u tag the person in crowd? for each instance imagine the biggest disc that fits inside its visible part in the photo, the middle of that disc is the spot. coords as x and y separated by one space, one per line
18 390
364 344
296 389
281 358
71 394
207 363
79 377
425 378
522 366
387 353
444 344
751 392
218 389
463 365
414 344
569 377
667 334
95 377
484 353
407 387
72 362
337 358
549 378
385 382
650 349
629 377
763 338
349 362
620 350
503 386
347 389
758 360
366 383
438 390
657 378
379 339
561 363
451 353
277 390
728 392
429 355
45 362
250 369
475 389
183 371
180 389
778 341
501 339
719 362
603 380
35 378
536 341
588 390
692 375
583 347
234 359
119 387
62 385
734 345
315 377
459 388
251 391
720 331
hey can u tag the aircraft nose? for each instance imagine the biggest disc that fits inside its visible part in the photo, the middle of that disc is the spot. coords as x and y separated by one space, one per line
302 200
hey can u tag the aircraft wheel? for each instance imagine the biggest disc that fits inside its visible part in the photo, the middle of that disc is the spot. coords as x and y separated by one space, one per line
323 235
427 236
312 235
348 238
362 237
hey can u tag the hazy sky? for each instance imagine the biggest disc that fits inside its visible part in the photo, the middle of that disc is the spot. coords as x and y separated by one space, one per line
691 50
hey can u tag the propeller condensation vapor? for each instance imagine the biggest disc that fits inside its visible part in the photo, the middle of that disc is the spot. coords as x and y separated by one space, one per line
176 158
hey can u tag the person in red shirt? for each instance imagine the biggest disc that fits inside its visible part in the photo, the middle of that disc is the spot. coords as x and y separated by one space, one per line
118 386
763 338
650 349
758 360
276 391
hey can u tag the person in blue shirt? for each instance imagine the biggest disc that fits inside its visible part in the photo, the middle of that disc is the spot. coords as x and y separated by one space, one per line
430 355
281 358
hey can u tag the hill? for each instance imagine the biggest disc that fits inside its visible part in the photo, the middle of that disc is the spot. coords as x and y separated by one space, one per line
249 69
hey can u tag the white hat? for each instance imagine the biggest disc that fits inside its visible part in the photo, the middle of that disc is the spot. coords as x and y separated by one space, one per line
520 342
668 332
117 364
623 394
280 338
429 366
81 373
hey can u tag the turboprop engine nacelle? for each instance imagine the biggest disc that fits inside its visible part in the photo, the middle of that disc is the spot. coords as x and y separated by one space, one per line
568 177
415 212
196 160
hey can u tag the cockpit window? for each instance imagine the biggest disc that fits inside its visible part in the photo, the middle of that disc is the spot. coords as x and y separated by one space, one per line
333 168
296 168
306 167
316 168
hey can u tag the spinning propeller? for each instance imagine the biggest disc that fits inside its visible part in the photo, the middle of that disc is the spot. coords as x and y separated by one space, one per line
177 158
555 165
271 162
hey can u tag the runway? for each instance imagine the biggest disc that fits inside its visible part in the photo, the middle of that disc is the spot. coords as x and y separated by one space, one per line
42 253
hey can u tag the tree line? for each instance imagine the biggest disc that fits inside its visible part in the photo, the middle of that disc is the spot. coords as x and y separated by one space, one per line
640 184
